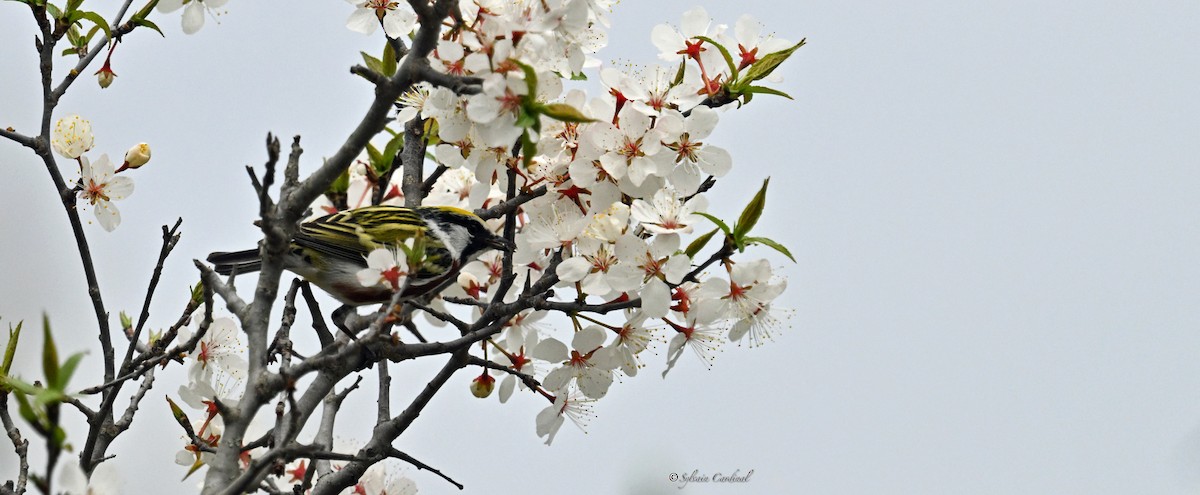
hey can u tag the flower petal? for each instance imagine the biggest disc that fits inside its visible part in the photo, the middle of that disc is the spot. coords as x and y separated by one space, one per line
656 298
193 17
589 339
362 21
119 188
595 383
507 385
369 277
551 350
557 379
107 215
399 21
574 269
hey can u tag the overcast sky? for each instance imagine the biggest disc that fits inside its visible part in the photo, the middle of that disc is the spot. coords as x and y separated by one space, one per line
993 206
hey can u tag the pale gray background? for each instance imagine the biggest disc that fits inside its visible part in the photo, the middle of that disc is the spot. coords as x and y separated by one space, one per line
993 205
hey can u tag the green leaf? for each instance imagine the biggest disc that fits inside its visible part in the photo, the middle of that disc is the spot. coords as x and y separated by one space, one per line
765 65
528 150
10 350
197 295
68 369
752 212
531 80
181 418
53 11
565 113
74 35
525 117
720 224
26 410
761 89
341 184
16 385
373 63
145 12
724 53
138 21
91 32
59 436
374 155
579 76
99 21
389 153
696 245
388 61
679 73
49 352
771 244
431 133
73 5
47 396
195 467
126 321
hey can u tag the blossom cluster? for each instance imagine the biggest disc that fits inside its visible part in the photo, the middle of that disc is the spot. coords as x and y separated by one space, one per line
624 174
98 182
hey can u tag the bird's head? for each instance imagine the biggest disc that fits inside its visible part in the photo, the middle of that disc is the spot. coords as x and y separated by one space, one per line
462 232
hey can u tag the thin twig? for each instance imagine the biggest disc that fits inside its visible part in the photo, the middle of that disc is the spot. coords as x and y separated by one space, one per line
432 179
318 319
510 205
169 239
393 452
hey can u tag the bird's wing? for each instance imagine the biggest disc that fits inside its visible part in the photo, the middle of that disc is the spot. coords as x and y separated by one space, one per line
351 234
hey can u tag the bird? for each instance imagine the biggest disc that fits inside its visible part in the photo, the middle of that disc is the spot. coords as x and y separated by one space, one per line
331 250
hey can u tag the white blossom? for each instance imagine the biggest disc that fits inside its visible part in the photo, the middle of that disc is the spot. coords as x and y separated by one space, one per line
100 188
193 14
387 267
397 17
72 136
666 214
566 405
589 371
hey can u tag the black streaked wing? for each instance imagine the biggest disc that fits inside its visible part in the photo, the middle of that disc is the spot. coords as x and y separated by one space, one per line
345 235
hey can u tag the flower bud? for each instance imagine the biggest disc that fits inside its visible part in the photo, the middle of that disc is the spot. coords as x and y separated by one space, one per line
469 284
137 156
105 76
482 385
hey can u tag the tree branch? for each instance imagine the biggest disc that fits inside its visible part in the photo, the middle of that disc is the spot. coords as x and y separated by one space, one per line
377 448
413 158
463 85
20 447
23 140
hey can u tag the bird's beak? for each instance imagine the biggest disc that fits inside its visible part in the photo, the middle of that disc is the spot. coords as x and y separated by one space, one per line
500 243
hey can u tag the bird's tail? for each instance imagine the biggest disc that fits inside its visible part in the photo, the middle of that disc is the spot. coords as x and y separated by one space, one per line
238 261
